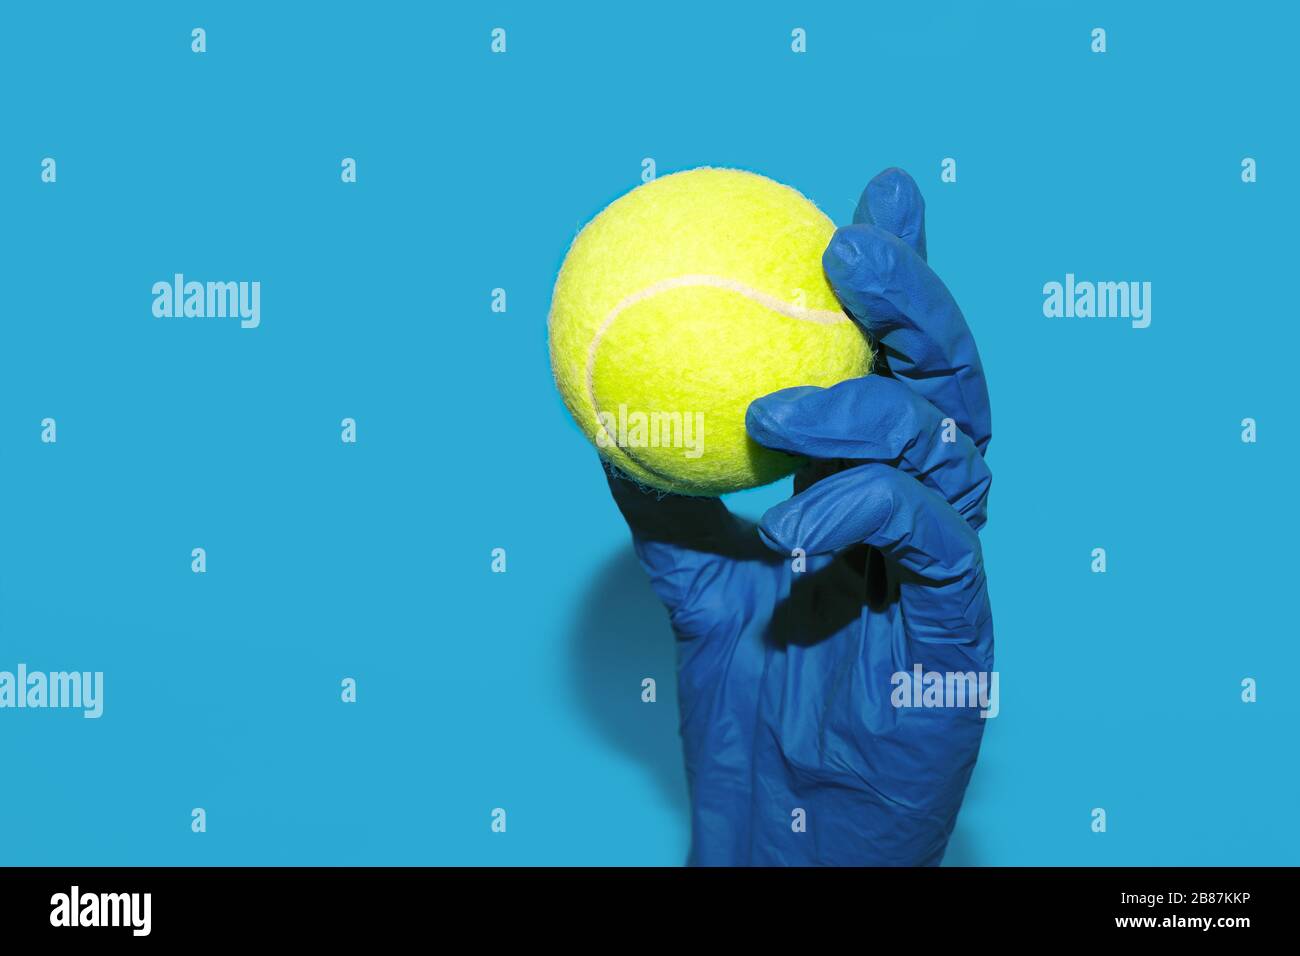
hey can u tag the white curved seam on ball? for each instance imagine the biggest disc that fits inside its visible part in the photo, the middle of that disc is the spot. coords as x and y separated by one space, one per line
819 316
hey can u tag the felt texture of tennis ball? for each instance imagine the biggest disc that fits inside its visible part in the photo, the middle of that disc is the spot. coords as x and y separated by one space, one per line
682 302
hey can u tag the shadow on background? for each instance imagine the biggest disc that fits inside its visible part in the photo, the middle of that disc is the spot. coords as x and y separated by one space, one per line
621 637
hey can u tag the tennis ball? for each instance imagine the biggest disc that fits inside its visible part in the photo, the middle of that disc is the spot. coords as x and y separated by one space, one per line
681 303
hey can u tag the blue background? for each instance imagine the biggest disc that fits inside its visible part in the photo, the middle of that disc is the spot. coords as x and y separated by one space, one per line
521 691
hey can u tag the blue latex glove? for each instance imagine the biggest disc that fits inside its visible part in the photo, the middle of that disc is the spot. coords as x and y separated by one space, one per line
785 678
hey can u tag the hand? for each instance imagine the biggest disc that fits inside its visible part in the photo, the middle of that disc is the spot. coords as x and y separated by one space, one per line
787 674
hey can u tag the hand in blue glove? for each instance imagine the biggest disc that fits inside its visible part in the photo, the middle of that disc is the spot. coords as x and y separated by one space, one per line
795 750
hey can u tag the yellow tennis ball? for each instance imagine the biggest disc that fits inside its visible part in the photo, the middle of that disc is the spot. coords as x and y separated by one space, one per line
681 303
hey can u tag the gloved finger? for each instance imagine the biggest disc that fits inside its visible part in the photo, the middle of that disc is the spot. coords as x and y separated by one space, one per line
880 506
700 524
893 201
911 314
877 419
942 586
684 544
